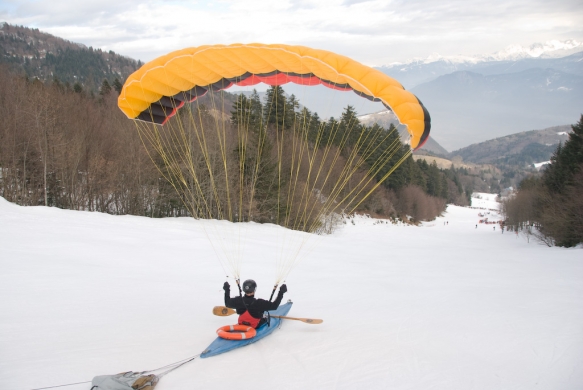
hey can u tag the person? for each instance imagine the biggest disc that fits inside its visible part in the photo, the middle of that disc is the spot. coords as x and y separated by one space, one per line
250 309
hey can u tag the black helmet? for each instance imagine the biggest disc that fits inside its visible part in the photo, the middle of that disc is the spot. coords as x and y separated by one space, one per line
249 286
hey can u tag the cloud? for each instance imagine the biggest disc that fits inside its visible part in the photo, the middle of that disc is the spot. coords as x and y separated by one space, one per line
374 32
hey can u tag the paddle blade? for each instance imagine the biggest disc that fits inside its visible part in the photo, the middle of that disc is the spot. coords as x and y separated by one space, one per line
313 321
223 311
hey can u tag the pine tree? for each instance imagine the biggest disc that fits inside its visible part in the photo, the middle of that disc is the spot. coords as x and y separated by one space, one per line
275 107
292 104
444 190
105 88
566 161
433 180
117 85
349 129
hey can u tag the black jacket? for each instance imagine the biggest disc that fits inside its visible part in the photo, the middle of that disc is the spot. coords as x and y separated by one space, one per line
255 306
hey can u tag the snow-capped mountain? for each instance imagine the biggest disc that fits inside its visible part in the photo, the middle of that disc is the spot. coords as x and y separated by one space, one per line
549 49
564 56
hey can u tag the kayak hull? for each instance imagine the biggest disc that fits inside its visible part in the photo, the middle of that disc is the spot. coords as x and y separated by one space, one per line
221 345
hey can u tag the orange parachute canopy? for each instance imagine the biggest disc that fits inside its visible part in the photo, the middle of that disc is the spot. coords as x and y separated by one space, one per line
160 87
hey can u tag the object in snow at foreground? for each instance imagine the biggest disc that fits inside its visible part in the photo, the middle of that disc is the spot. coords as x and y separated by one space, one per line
125 381
221 345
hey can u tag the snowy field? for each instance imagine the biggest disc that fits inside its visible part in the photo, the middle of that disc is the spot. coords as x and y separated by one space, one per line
442 306
484 200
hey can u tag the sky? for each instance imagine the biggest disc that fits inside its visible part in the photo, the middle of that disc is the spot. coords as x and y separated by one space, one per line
372 32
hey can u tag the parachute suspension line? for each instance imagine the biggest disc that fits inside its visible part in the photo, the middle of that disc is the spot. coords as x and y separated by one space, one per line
355 153
314 180
401 160
273 107
170 160
156 140
220 127
301 222
242 138
350 170
344 202
199 134
299 149
273 292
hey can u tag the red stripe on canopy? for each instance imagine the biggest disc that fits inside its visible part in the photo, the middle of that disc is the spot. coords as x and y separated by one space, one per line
305 80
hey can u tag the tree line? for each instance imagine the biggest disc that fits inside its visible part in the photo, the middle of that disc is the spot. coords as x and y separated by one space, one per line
550 206
61 146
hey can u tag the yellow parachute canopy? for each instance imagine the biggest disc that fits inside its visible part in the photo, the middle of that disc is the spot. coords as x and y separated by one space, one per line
160 87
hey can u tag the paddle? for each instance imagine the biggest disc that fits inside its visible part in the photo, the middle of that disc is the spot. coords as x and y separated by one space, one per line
225 311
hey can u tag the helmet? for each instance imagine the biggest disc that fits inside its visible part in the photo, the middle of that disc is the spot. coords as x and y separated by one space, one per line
249 286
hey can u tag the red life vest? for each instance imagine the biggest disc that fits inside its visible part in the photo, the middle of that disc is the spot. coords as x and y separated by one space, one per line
248 319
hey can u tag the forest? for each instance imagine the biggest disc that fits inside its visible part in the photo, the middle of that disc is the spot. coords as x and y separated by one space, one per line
550 206
62 146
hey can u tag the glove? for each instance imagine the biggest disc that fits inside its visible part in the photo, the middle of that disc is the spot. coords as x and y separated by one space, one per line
227 286
283 289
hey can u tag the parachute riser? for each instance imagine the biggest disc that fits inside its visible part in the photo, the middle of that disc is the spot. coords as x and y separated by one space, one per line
239 286
273 292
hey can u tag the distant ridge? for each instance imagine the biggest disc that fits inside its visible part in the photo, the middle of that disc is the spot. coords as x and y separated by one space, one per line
468 107
520 149
46 57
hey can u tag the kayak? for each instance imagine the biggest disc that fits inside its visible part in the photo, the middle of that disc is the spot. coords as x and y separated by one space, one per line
222 345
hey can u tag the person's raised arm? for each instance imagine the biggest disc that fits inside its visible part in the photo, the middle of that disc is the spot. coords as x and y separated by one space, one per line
227 288
275 304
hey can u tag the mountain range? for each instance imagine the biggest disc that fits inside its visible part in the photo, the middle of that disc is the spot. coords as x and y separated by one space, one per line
468 107
470 99
515 58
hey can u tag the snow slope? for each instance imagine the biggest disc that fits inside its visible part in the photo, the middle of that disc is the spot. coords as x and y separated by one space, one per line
485 200
442 306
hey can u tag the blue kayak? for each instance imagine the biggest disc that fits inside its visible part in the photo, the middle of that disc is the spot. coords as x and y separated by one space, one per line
221 345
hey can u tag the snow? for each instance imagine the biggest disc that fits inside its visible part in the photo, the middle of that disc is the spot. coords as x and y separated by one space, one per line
444 305
540 164
549 49
485 200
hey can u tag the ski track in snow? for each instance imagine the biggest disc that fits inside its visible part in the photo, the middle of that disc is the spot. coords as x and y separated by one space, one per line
444 305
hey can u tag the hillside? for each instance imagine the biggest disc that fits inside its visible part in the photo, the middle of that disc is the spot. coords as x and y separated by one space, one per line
520 149
44 56
444 163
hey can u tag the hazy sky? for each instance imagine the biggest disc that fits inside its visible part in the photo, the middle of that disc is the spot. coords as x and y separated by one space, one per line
372 32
